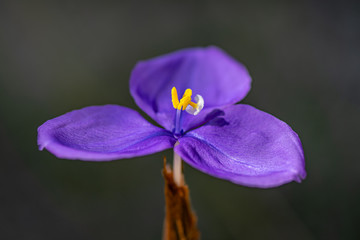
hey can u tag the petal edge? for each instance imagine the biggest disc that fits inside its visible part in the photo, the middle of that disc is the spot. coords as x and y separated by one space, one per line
102 133
247 147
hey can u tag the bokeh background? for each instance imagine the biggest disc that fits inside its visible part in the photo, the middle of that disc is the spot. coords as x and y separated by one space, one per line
56 56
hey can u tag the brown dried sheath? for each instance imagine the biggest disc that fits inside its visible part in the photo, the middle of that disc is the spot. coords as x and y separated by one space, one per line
180 221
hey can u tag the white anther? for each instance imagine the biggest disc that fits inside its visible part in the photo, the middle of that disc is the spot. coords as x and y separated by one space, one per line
200 105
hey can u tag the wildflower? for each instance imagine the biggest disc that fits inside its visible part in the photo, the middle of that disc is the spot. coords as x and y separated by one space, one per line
207 130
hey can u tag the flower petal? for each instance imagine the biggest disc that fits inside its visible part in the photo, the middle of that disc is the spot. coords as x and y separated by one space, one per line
246 146
102 133
209 72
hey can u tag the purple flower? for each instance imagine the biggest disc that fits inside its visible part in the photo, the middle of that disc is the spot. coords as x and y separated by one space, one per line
238 143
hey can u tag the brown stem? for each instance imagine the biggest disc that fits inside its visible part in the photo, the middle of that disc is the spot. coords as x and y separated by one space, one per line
180 221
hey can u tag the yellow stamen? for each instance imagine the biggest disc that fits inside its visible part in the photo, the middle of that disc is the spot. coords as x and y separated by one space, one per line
184 101
194 105
174 98
187 93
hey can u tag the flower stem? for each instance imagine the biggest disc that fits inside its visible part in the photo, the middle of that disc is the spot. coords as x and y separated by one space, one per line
177 168
180 221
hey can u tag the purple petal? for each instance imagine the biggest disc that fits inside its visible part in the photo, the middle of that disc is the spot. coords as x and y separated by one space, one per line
246 146
102 133
210 72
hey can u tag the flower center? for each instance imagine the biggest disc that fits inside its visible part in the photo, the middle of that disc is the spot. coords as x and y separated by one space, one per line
185 103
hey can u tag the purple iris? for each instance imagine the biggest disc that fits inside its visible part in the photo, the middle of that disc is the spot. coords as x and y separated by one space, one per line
238 142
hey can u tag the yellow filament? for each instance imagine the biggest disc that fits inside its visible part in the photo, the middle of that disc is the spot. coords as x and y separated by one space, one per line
194 105
184 101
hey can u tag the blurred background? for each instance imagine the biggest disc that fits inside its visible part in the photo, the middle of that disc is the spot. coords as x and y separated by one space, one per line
56 56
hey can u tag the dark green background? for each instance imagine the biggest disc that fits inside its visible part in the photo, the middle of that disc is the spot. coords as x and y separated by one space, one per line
56 56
